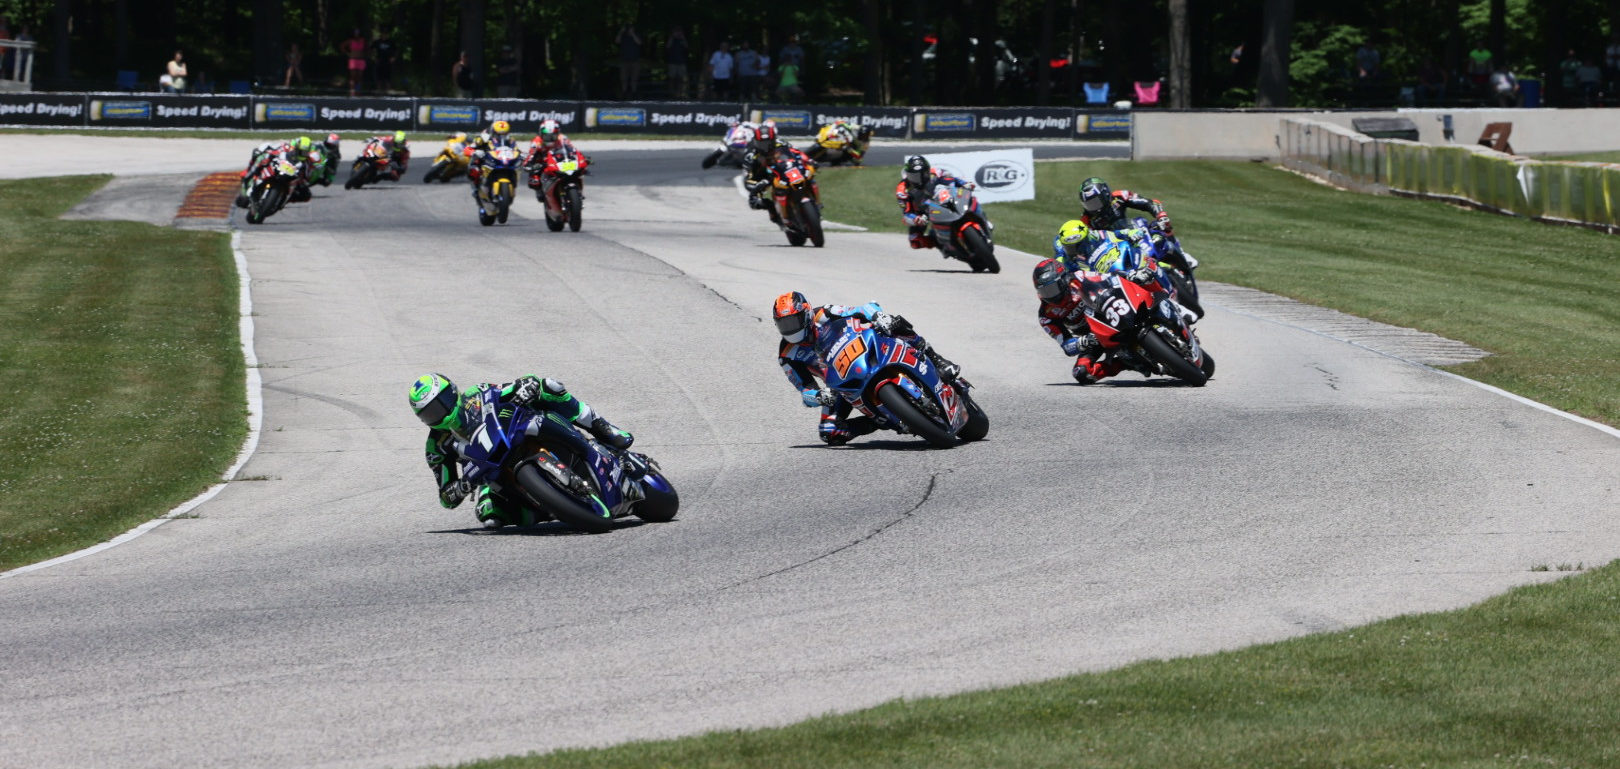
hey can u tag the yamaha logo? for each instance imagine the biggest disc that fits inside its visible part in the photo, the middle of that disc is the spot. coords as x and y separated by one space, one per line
998 174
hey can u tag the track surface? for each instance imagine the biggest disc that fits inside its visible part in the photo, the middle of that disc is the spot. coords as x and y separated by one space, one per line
332 615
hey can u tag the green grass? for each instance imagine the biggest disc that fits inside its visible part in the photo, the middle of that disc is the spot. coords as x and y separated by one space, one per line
120 341
348 135
1540 297
1592 157
1524 679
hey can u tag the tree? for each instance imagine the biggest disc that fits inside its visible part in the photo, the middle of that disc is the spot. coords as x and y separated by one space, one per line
1180 61
1277 34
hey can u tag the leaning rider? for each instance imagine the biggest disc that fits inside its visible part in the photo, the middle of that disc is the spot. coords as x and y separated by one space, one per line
446 413
1066 298
542 173
917 183
764 151
799 324
1109 210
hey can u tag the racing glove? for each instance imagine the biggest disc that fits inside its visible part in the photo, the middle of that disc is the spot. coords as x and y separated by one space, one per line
526 390
1143 276
813 397
451 494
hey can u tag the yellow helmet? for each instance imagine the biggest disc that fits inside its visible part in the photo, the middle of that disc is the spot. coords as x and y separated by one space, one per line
501 128
459 136
1073 233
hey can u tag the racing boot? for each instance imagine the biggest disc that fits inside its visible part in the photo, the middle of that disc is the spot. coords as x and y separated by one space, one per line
948 371
489 512
608 435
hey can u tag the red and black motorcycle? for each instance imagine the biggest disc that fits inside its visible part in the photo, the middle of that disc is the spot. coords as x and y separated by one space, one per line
271 187
565 205
373 165
1143 327
797 199
960 227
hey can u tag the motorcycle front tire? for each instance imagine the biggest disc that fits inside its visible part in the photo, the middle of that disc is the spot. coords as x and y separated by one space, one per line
574 209
713 157
1162 353
978 423
810 217
984 255
898 401
561 505
659 506
435 172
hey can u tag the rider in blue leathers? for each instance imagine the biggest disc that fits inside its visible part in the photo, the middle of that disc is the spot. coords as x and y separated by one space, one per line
799 324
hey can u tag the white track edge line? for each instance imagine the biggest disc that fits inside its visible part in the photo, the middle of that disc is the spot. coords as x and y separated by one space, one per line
255 404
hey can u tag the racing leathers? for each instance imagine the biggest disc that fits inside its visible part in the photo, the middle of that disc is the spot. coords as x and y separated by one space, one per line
541 164
807 372
1115 215
912 198
856 138
1064 319
757 175
532 392
1126 252
262 155
399 155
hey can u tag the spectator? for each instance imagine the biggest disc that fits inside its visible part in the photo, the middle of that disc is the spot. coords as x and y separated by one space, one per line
787 85
386 53
629 59
506 74
1566 70
764 67
1479 66
719 71
1505 86
176 73
675 61
792 53
1431 88
747 63
355 49
462 75
295 66
1367 61
1588 82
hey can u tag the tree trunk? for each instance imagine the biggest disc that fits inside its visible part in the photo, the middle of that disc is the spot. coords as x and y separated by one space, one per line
1498 32
919 73
1277 35
268 62
872 15
472 41
984 54
62 56
1180 61
514 38
121 34
435 48
1044 55
1114 51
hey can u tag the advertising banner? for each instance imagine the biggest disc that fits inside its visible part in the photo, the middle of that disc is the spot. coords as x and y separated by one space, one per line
993 123
806 121
1098 124
1001 175
701 118
328 113
170 110
468 115
42 109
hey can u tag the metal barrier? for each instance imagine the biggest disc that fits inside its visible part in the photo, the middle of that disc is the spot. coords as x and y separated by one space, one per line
16 65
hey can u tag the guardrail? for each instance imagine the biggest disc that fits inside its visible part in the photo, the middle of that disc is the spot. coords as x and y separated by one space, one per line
1586 194
124 110
16 65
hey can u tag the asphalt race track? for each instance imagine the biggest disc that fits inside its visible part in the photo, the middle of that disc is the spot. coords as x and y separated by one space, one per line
330 614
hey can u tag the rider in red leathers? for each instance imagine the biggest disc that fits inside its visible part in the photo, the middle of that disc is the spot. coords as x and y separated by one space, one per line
1065 301
542 165
917 185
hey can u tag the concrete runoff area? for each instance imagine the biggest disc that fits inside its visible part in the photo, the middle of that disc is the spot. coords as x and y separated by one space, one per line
328 613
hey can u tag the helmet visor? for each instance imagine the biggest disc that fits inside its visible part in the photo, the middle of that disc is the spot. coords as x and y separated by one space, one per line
1049 292
791 326
1092 202
435 411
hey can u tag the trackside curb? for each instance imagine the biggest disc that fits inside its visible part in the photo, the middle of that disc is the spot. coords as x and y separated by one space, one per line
255 404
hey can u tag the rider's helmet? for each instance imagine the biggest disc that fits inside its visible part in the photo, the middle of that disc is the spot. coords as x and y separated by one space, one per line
302 144
1073 236
764 137
1094 194
436 402
499 130
550 133
332 139
792 313
917 171
1051 280
399 138
459 137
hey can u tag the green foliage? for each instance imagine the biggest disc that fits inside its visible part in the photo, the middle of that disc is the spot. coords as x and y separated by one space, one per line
1323 63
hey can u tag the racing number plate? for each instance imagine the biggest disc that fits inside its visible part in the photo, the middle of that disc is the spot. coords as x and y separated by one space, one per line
847 355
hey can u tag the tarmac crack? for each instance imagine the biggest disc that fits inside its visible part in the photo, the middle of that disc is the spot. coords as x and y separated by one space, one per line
928 492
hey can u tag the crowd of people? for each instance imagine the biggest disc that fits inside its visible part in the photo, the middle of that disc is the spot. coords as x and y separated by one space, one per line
1583 79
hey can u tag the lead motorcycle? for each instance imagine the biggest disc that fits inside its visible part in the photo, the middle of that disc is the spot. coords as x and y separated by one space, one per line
797 199
567 168
893 382
960 227
542 464
1144 327
272 187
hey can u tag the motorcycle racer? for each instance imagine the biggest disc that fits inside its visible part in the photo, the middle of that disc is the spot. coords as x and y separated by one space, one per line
1107 210
799 324
917 183
399 153
853 137
542 168
498 133
445 411
1080 247
1066 299
763 153
296 151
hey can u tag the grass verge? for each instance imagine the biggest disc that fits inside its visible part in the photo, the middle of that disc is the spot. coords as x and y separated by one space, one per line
1589 157
1523 679
348 135
1538 296
122 339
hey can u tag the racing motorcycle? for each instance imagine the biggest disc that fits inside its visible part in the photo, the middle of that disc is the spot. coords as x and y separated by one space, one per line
567 168
893 382
1143 326
1185 287
797 198
497 183
372 166
542 464
272 187
1128 251
309 173
839 143
451 161
732 147
960 228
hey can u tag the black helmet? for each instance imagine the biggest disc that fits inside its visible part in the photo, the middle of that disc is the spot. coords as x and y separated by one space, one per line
1093 194
1051 280
917 170
765 136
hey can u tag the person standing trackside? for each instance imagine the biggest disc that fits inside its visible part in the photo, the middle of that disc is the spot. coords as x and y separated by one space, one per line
385 52
295 61
461 74
629 59
719 71
675 63
177 73
747 63
506 74
355 49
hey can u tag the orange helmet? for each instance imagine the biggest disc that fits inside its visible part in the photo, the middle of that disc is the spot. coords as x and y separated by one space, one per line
792 313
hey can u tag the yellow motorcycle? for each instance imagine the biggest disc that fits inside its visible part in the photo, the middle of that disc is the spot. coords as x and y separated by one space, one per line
451 162
840 143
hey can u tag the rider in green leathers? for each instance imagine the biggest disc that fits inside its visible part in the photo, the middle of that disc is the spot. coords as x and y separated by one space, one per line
441 407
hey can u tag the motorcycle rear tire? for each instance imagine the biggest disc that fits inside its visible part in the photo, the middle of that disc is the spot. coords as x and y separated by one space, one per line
659 506
435 172
899 403
1161 352
574 208
555 225
357 177
486 219
795 238
810 216
978 423
984 254
712 158
560 504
